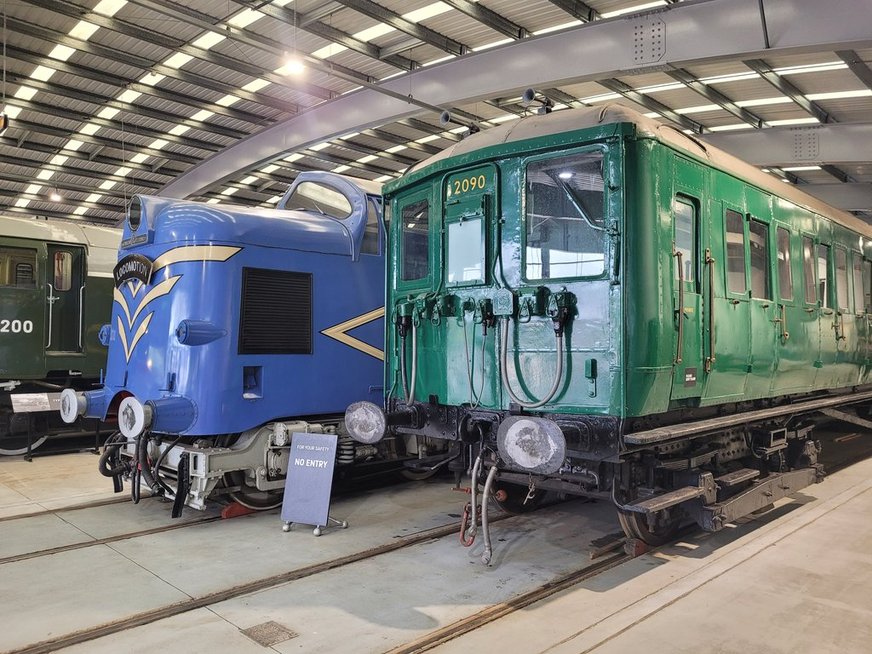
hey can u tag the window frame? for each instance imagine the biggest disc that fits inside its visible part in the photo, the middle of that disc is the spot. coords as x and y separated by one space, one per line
841 249
857 293
746 294
693 203
36 256
767 249
401 202
523 163
815 302
830 276
789 265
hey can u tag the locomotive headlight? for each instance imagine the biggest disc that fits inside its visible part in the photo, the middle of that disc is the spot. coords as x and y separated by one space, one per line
133 417
365 422
73 405
134 214
533 444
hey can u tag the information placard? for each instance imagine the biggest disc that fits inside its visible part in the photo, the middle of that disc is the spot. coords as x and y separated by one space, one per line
32 402
310 478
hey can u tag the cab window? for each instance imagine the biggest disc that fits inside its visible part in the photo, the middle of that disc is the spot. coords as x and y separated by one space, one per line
564 204
18 267
415 240
323 199
63 271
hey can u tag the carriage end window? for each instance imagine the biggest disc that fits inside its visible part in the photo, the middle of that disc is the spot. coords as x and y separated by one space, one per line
415 247
759 242
18 267
736 281
565 217
685 239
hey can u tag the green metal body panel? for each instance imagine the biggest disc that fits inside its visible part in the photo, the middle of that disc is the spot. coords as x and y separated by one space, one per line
39 353
623 337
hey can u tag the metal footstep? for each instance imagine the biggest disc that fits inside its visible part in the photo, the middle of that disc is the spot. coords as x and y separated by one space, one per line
738 477
666 500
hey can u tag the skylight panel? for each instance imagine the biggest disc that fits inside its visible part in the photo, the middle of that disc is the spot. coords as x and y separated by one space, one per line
427 139
811 68
109 7
93 197
799 169
74 144
631 10
129 96
656 88
383 178
61 52
227 100
269 169
83 30
58 160
249 180
732 77
256 85
341 169
602 97
763 102
11 111
45 175
367 159
730 128
108 184
178 130
42 73
324 53
294 157
25 93
213 201
396 148
373 32
22 202
229 191
319 146
33 189
89 129
698 109
439 60
274 199
157 144
150 79
502 119
557 28
792 121
208 40
122 171
178 60
488 46
427 12
80 211
202 115
139 157
108 113
840 95
244 18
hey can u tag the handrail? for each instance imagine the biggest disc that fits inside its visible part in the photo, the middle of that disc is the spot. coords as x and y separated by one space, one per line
81 308
51 299
679 348
711 358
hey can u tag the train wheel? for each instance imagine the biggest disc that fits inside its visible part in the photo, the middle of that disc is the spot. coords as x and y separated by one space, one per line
249 496
635 525
417 475
514 499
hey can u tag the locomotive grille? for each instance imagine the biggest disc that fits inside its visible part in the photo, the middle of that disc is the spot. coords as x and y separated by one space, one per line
276 312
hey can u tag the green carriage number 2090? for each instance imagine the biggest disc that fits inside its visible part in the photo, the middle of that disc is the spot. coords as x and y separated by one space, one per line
468 184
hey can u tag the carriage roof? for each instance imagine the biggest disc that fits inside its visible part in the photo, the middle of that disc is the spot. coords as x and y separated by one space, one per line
569 120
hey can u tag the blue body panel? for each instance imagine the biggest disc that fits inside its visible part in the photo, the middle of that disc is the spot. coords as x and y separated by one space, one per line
199 252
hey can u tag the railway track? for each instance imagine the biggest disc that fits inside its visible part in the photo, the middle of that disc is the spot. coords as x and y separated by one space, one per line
75 507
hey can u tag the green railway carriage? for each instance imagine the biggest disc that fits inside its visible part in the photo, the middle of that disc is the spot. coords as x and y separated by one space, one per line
599 304
55 294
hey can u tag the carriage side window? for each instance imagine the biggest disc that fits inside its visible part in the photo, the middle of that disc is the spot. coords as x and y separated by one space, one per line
859 286
323 199
867 285
370 235
736 252
18 267
823 271
63 271
785 275
415 246
564 210
808 270
842 278
759 240
685 239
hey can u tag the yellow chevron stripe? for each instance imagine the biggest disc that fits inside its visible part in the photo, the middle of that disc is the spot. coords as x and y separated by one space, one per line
158 291
339 333
140 332
123 336
194 253
122 301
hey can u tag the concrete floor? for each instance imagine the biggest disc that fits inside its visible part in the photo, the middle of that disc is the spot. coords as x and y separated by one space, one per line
796 579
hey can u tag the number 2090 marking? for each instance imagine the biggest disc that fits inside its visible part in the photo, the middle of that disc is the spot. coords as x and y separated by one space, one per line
468 184
15 326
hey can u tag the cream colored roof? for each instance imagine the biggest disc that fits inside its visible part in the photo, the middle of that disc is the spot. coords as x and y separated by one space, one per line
558 122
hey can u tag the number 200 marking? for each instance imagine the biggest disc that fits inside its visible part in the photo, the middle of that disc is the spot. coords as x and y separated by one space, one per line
468 184
15 326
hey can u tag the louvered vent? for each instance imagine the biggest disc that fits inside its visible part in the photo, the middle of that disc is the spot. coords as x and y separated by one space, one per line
276 313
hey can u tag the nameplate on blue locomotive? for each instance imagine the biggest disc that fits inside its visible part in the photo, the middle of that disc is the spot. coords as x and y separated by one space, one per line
310 478
133 266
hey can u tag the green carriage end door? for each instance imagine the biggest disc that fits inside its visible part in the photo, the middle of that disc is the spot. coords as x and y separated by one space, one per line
468 202
64 288
688 375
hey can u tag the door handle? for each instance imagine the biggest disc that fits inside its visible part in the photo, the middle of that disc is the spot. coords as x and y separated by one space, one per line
51 299
679 313
785 335
710 262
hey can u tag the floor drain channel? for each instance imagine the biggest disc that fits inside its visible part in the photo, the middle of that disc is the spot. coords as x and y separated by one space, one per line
269 633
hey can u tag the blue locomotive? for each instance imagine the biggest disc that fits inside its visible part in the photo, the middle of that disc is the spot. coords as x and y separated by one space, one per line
234 327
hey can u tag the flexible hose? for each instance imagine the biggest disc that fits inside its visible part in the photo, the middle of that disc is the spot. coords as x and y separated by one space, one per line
504 373
470 364
485 528
110 451
473 489
157 464
409 389
144 468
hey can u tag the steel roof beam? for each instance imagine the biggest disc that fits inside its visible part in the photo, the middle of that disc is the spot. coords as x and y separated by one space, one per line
695 32
857 66
799 146
715 97
787 88
425 34
489 18
86 72
576 9
648 102
111 54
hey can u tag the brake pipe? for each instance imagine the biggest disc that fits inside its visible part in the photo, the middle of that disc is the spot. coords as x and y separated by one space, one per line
468 538
558 377
485 528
